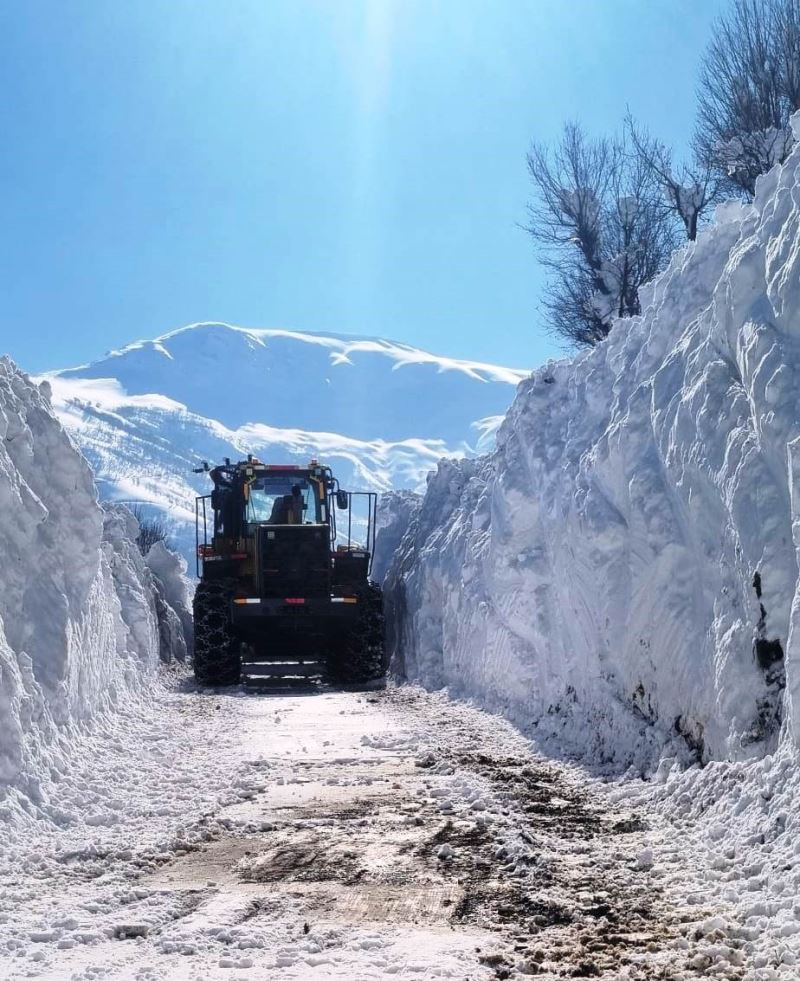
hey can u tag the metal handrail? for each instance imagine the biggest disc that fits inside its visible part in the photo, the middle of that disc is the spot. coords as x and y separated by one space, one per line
197 500
372 521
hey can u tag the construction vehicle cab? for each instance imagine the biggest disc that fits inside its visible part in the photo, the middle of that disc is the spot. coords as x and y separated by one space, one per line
282 591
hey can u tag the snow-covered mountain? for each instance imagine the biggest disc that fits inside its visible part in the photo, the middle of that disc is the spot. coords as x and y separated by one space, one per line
622 571
382 414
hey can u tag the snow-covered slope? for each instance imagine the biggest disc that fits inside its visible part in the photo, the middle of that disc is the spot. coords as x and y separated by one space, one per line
621 572
381 414
83 618
365 387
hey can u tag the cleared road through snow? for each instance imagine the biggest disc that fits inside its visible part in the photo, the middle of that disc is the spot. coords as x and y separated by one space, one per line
338 835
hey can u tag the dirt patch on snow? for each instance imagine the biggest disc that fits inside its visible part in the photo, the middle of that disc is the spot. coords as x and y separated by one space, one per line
566 883
350 836
447 831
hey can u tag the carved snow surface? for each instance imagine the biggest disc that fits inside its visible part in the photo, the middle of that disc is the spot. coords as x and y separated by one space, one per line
621 573
81 621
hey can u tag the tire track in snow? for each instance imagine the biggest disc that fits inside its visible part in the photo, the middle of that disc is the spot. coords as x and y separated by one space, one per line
358 836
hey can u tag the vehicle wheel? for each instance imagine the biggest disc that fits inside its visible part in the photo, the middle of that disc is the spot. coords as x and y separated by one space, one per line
217 649
358 656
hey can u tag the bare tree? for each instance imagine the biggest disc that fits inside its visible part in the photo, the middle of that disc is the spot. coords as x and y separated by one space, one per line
152 528
787 32
749 86
689 191
600 229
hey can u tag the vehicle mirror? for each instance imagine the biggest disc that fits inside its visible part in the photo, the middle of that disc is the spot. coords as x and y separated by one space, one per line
342 500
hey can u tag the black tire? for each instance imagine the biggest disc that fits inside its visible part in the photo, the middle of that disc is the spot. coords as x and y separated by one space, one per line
217 649
357 655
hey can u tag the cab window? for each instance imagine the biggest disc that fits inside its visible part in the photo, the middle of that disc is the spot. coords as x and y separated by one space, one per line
282 499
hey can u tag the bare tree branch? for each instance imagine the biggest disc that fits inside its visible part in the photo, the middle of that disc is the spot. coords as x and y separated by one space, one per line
601 229
749 87
152 529
689 192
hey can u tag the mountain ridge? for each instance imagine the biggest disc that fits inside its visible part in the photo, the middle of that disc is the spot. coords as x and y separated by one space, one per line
367 388
381 413
335 336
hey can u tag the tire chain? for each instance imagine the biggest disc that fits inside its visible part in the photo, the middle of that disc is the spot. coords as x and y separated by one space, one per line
216 648
360 656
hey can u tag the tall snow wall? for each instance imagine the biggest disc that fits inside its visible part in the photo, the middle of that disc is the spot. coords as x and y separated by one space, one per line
621 574
83 619
393 516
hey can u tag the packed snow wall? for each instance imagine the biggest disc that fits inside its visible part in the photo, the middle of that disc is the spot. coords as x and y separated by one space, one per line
393 517
83 618
621 573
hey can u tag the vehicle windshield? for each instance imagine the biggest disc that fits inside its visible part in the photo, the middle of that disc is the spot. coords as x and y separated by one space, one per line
283 499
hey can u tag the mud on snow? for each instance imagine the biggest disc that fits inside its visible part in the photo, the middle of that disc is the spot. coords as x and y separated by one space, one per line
351 835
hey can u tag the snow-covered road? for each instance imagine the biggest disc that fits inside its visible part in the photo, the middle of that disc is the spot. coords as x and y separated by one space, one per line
340 835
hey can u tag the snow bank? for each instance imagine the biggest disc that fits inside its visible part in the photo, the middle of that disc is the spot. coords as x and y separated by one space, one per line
174 592
621 572
79 617
737 823
394 513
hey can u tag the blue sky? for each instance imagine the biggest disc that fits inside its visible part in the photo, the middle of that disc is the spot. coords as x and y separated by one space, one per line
343 165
